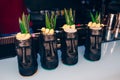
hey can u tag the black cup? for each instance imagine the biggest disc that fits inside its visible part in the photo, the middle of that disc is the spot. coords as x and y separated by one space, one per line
48 51
93 45
27 58
69 48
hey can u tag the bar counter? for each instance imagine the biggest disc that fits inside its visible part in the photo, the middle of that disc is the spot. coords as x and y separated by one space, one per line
107 68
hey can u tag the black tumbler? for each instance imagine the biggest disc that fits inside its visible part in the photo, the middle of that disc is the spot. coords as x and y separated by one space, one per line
48 51
27 58
69 48
93 45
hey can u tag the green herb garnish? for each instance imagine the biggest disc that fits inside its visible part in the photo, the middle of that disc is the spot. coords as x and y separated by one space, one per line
69 17
50 20
24 23
96 17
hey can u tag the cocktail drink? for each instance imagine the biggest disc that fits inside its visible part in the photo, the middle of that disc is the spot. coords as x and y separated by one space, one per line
48 51
26 54
48 43
94 39
69 40
93 45
27 58
69 48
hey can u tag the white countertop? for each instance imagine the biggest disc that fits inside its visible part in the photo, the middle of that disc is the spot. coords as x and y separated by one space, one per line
107 68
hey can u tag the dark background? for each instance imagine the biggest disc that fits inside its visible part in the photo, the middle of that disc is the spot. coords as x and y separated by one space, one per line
82 8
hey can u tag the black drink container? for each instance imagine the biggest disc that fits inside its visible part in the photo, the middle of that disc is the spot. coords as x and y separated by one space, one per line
93 45
69 48
48 51
27 58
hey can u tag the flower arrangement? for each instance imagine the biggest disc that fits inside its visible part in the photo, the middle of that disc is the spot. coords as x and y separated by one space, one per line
24 28
95 23
70 25
50 22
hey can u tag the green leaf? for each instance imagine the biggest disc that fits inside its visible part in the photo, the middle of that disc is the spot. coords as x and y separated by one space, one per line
47 21
98 18
54 22
71 17
22 28
92 17
95 18
27 18
67 17
24 21
50 20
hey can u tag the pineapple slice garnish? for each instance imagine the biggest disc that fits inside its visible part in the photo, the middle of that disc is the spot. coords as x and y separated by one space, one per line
47 31
95 26
20 36
69 28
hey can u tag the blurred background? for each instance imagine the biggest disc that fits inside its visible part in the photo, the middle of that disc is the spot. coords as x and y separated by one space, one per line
82 8
37 9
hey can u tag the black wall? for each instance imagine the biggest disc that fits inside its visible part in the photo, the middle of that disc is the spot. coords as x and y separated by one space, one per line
82 8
